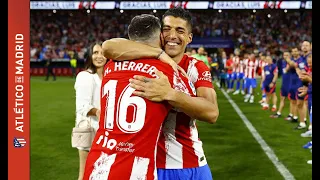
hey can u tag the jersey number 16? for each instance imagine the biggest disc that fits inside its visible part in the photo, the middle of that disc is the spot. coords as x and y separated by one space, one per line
120 109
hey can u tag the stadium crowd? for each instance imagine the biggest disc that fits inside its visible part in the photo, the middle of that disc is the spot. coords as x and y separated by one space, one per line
71 32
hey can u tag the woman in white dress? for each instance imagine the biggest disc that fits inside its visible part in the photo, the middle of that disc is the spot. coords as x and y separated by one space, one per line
87 87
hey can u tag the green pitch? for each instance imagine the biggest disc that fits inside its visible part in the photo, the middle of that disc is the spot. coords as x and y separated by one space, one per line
232 152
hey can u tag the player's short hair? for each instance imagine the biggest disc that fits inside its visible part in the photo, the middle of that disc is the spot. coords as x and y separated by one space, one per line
179 12
294 47
144 27
263 54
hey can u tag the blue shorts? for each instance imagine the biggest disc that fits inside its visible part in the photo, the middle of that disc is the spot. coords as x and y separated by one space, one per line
292 93
269 90
198 173
234 76
240 75
251 82
229 76
309 103
284 91
310 115
305 98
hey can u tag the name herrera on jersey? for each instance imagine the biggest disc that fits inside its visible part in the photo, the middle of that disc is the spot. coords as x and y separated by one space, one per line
19 81
133 66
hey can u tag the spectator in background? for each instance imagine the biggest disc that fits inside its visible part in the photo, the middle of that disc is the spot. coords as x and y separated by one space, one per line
47 57
223 79
87 87
269 80
250 74
285 85
223 59
188 51
229 68
286 30
201 56
214 66
73 65
193 52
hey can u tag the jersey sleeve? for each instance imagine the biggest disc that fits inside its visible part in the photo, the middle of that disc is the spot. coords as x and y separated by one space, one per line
275 70
228 63
256 64
200 75
245 62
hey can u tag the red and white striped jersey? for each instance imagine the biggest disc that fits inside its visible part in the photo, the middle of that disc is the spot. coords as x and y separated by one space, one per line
179 145
262 64
240 67
250 68
236 61
125 144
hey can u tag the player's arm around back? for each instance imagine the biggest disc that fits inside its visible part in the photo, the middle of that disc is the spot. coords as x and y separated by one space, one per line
204 107
124 49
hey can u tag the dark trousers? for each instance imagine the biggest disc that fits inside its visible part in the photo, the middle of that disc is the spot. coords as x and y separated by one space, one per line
215 72
50 71
73 69
223 83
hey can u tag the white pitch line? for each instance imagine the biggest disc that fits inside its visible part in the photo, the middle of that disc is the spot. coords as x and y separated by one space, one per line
266 148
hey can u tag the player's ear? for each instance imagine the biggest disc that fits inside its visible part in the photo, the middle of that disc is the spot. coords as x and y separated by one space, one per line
161 40
190 36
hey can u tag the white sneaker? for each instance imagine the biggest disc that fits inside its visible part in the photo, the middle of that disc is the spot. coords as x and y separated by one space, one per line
307 134
246 98
242 92
309 162
310 127
236 92
251 99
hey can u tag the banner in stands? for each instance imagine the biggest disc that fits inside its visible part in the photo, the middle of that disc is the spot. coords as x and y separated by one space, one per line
256 5
163 4
211 43
308 5
50 5
43 5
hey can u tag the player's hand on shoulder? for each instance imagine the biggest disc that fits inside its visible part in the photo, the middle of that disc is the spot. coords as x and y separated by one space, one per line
154 89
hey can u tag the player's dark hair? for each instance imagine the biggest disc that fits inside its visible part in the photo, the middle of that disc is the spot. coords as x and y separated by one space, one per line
89 63
263 54
294 47
144 27
179 12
